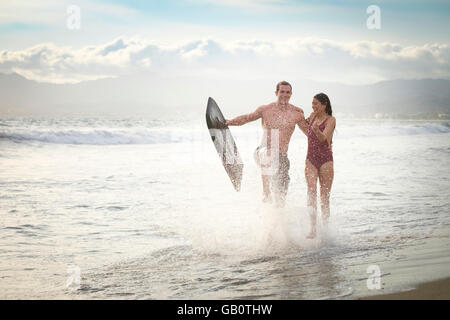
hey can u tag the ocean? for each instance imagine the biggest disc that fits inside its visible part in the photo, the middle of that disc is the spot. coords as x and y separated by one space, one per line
135 208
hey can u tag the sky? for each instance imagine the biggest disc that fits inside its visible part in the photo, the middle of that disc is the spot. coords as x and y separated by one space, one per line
341 41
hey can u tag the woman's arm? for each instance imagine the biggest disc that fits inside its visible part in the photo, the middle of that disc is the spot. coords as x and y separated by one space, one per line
327 132
239 121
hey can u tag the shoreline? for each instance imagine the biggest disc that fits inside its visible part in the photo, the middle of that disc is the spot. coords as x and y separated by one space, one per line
432 290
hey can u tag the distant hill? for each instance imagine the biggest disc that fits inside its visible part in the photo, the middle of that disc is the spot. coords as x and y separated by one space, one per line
159 96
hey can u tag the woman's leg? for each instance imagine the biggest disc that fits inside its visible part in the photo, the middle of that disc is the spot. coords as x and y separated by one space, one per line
326 175
311 175
266 188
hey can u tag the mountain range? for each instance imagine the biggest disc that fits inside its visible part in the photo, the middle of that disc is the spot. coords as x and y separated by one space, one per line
157 95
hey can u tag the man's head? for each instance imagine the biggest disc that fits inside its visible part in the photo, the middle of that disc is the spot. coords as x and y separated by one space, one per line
283 92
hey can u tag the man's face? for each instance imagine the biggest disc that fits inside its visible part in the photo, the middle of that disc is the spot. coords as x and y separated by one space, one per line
284 94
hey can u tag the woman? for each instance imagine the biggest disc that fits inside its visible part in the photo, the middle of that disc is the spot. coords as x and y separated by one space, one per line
319 128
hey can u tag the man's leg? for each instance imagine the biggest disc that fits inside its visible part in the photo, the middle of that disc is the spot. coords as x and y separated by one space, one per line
282 180
265 174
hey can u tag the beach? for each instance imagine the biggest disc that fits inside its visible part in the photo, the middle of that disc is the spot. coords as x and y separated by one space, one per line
100 208
434 290
418 272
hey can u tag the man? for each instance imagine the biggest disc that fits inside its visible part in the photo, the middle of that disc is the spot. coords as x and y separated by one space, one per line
278 120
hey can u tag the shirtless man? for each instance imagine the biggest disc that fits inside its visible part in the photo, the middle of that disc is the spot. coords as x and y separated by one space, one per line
278 120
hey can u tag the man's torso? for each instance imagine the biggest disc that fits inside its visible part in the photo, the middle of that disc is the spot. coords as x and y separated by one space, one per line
283 121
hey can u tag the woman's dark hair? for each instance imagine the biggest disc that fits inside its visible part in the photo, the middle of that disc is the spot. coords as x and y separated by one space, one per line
323 99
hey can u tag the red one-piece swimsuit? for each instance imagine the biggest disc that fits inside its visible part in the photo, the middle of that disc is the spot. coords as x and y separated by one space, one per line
319 152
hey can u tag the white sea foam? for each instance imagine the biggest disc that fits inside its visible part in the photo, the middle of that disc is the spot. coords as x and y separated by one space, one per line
114 133
150 221
93 136
386 129
263 230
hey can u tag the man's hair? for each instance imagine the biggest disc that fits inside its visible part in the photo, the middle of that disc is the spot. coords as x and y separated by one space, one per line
283 83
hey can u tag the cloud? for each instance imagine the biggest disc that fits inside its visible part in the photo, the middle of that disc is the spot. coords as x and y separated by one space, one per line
310 58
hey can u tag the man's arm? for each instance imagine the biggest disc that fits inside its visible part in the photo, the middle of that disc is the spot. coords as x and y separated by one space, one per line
239 121
303 125
301 122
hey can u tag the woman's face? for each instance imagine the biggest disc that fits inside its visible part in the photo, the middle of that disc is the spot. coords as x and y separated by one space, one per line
317 106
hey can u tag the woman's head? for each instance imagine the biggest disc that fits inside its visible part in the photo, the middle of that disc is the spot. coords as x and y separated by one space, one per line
321 102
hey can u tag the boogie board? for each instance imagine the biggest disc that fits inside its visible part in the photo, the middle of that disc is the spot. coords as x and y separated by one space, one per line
224 143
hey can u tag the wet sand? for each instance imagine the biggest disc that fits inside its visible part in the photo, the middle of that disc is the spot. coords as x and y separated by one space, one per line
434 290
